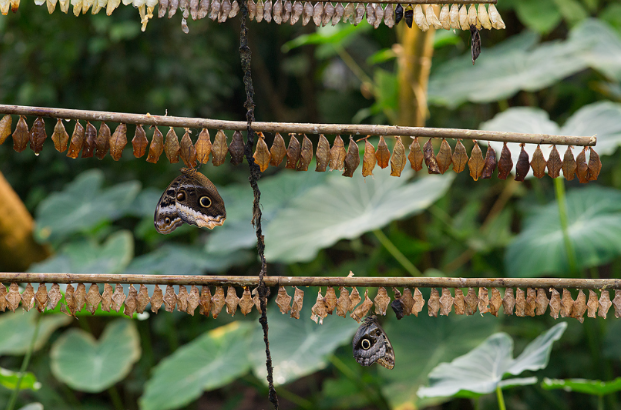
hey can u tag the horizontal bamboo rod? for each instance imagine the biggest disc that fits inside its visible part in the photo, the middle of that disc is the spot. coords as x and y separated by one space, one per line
312 281
298 128
404 2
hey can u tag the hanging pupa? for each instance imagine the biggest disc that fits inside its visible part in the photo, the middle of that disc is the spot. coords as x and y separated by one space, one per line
77 141
225 10
538 163
37 135
490 163
460 157
595 164
475 43
419 18
522 166
278 11
476 162
252 9
383 153
261 154
464 22
162 7
389 15
397 161
328 12
398 14
569 164
484 17
219 149
505 164
215 10
454 17
139 142
359 14
287 11
319 311
90 141
322 154
118 140
278 150
234 9
298 9
368 160
349 12
306 154
308 13
554 163
416 155
352 159
432 19
430 158
339 10
5 128
236 149
172 8
60 136
495 18
370 11
203 8
21 135
472 16
444 157
267 11
171 146
102 143
318 13
337 154
293 151
582 169
187 152
379 15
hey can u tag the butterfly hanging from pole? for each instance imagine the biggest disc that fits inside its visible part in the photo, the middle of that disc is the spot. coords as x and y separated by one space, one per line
371 345
191 198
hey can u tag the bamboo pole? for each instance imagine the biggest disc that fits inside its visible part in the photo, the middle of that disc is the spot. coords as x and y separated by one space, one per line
558 283
404 2
298 128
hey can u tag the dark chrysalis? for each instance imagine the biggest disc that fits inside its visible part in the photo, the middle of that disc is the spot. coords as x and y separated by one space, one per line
398 308
103 141
90 141
505 165
430 158
352 159
475 42
409 15
77 140
37 135
293 151
569 164
490 163
371 345
522 166
398 14
21 136
554 163
236 149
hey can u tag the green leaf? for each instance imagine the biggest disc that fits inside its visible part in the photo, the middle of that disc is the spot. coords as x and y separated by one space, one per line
594 387
32 406
83 205
344 208
299 347
594 217
340 35
541 16
10 379
600 45
90 365
17 330
571 10
481 370
210 361
422 343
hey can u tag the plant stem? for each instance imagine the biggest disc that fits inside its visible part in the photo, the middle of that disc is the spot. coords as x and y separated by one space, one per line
600 402
25 362
501 400
562 211
116 398
396 253
377 398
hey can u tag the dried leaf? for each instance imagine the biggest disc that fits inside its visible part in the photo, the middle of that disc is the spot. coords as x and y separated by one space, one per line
542 301
352 159
261 153
306 154
472 301
397 161
430 159
118 297
382 300
531 298
569 164
131 302
59 136
77 140
293 151
330 299
579 307
283 300
90 141
369 160
53 295
182 299
592 304
354 298
522 167
28 297
446 302
5 128
322 154
459 302
203 146
37 135
337 154
187 152
296 306
80 297
505 164
554 163
236 149
416 155
278 151
555 303
70 307
194 300
490 163
21 135
382 154
219 149
495 302
508 302
205 303
157 299
538 163
343 304
520 303
217 302
231 301
476 163
460 157
595 165
40 297
433 305
319 311
102 142
445 156
363 309
246 303
139 142
170 299
616 302
604 303
117 141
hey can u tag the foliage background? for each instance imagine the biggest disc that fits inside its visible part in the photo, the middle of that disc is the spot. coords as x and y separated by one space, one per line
556 68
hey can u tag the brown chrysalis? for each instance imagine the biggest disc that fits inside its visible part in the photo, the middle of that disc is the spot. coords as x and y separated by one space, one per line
522 166
416 155
460 157
490 163
322 154
139 142
554 163
382 153
21 135
306 154
102 143
569 164
381 301
369 159
171 146
262 154
37 135
203 146
278 150
595 165
5 128
293 151
187 152
352 159
337 154
445 157
538 163
219 149
77 140
237 148
90 141
505 164
60 136
475 42
582 167
157 147
397 161
430 158
476 163
117 141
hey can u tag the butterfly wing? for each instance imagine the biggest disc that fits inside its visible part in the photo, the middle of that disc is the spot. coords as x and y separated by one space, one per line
198 201
167 218
370 345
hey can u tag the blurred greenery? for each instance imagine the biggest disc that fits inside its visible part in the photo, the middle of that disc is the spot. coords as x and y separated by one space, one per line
556 69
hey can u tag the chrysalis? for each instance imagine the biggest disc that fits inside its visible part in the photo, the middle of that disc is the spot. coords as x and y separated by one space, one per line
368 160
569 164
215 10
359 14
283 300
595 164
460 157
319 311
278 150
194 9
278 11
234 9
348 13
343 303
318 13
267 11
139 142
162 6
538 163
131 302
225 10
398 13
379 15
444 17
217 302
554 163
77 141
445 157
306 154
157 146
37 135
298 9
381 301
102 143
475 43
171 147
203 8
21 135
472 15
495 18
296 306
542 301
219 149
464 22
330 300
363 309
262 154
419 302
430 158
90 141
252 9
446 302
231 301
419 18
246 303
339 10
459 302
484 17
370 11
322 153
383 153
397 162
432 19
582 167
352 159
505 164
187 152
293 151
522 166
495 302
5 128
416 155
287 9
328 12
236 148
454 17
337 154
490 163
433 305
172 8
389 15
308 13
472 302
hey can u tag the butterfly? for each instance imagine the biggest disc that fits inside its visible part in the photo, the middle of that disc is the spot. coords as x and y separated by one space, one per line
191 198
371 345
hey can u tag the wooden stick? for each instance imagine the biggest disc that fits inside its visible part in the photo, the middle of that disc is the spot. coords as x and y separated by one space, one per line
298 128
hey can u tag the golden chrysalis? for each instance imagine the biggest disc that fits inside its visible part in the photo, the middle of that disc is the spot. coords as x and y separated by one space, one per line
203 146
219 149
397 161
476 163
77 141
118 141
262 154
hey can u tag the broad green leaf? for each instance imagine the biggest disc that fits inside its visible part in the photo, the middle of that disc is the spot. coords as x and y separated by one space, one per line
541 16
594 217
83 205
481 370
17 330
299 347
571 10
339 35
423 342
10 379
210 361
344 208
594 387
33 406
600 45
90 365
87 256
